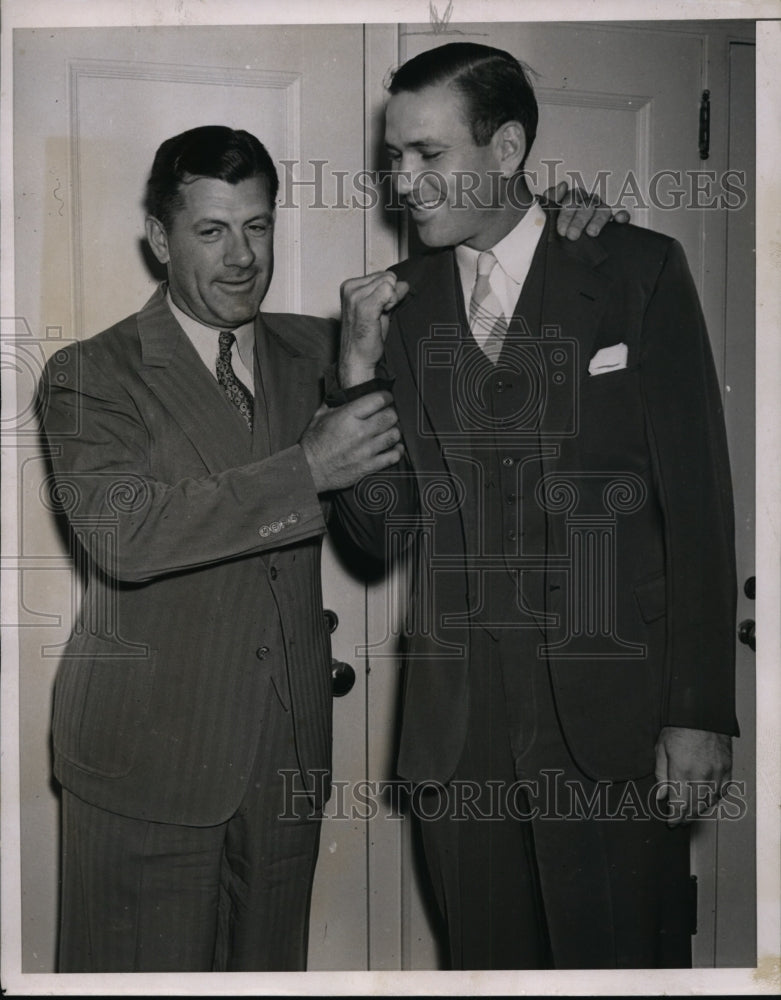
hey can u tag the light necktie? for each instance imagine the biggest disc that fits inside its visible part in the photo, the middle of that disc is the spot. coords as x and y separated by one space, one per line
235 390
486 318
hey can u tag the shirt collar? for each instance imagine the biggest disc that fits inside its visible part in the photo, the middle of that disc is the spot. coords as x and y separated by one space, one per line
515 250
201 333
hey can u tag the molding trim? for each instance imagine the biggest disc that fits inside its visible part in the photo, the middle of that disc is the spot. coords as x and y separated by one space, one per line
288 256
640 104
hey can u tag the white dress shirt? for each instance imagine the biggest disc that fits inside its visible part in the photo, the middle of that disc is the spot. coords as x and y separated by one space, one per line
205 340
514 257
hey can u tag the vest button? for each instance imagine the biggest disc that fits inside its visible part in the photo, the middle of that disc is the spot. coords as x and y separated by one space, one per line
512 497
499 385
511 534
262 652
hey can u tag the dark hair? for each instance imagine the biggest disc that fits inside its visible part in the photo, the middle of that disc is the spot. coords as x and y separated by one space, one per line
227 154
493 84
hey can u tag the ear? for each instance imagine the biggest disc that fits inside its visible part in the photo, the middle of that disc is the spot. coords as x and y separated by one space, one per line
158 239
509 142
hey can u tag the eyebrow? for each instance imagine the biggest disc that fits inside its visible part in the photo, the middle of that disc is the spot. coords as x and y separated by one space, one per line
206 221
420 144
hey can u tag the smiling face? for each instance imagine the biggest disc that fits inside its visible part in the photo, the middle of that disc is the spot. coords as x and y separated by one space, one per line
219 250
451 185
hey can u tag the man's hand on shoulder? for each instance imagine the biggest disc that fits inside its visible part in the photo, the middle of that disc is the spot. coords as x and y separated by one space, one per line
345 443
692 766
366 306
580 210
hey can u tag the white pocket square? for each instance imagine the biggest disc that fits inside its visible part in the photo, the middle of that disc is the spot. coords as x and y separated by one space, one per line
608 359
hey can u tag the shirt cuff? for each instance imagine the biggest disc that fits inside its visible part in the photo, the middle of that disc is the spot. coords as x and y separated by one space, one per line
335 395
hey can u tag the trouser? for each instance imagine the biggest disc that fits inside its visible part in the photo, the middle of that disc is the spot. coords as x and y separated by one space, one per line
139 896
547 869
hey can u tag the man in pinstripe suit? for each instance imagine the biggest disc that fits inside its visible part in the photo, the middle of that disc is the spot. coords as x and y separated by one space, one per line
194 693
198 672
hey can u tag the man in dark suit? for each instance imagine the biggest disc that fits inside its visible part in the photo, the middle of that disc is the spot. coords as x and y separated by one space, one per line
194 695
564 511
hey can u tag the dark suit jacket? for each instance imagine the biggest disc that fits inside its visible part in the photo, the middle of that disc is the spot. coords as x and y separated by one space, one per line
655 426
202 548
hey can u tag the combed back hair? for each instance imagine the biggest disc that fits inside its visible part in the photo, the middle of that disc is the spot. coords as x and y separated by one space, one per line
494 86
227 154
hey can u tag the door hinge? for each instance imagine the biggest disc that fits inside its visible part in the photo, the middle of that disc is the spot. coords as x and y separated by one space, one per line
705 125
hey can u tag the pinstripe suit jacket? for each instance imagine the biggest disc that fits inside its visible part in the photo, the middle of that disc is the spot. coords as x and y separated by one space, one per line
200 545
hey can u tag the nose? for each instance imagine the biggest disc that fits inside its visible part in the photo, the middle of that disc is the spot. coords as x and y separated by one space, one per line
403 180
239 252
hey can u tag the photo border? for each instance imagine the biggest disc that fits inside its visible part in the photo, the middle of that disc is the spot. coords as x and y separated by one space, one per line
763 979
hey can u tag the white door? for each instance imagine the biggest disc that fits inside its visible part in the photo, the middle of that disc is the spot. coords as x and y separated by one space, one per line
92 105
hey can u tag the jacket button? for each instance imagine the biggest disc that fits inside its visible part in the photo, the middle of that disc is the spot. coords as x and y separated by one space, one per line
273 572
262 652
507 461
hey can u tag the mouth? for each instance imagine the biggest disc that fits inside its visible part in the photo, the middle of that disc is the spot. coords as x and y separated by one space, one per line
420 207
238 284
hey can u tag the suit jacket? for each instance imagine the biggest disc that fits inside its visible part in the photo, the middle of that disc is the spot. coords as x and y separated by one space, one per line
639 452
200 545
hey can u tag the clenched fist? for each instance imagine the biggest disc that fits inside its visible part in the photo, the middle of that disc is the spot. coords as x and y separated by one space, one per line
346 443
366 305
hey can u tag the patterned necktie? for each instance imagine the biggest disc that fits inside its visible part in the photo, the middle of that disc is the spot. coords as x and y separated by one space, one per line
235 390
486 318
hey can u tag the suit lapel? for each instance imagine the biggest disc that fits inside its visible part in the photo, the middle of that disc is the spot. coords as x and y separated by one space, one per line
173 371
289 382
430 333
573 301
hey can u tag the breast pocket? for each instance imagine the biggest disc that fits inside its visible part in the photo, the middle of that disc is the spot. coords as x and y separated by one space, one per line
611 421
